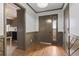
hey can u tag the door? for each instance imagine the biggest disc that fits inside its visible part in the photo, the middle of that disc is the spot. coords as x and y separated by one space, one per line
46 28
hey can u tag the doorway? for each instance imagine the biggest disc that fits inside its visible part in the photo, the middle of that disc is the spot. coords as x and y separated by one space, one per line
48 28
14 27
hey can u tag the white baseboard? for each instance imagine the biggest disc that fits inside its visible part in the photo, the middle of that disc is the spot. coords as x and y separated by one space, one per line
46 43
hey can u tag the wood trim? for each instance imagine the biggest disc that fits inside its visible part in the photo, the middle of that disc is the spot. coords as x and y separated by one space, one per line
21 28
63 5
31 7
4 41
50 10
68 29
57 28
50 15
46 10
17 4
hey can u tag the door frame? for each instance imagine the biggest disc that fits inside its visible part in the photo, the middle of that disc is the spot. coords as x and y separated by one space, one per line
5 22
56 23
65 23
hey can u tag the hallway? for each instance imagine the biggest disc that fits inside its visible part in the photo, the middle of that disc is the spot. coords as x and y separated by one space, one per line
41 49
30 29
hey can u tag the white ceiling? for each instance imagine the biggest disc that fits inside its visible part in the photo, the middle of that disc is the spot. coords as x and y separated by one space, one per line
11 5
51 6
11 10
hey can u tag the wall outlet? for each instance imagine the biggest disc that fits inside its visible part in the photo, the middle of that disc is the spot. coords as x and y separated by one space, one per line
31 40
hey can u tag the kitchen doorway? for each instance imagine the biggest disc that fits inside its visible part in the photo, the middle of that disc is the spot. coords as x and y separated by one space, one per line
14 27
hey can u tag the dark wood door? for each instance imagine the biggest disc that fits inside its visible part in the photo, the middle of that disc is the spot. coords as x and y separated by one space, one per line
45 29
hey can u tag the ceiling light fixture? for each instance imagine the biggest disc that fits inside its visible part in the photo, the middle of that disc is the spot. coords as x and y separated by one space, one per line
42 5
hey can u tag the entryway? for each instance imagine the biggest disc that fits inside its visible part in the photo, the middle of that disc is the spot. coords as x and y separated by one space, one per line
14 28
48 30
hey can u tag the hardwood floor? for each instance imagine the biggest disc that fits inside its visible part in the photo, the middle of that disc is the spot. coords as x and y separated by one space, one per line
39 49
10 48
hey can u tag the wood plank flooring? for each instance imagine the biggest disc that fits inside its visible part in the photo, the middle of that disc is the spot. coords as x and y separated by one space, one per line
39 49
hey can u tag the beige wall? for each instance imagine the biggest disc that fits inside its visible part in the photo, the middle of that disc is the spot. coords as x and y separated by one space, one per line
1 19
1 29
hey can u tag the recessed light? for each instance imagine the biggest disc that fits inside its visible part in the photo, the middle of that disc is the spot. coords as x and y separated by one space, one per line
42 5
